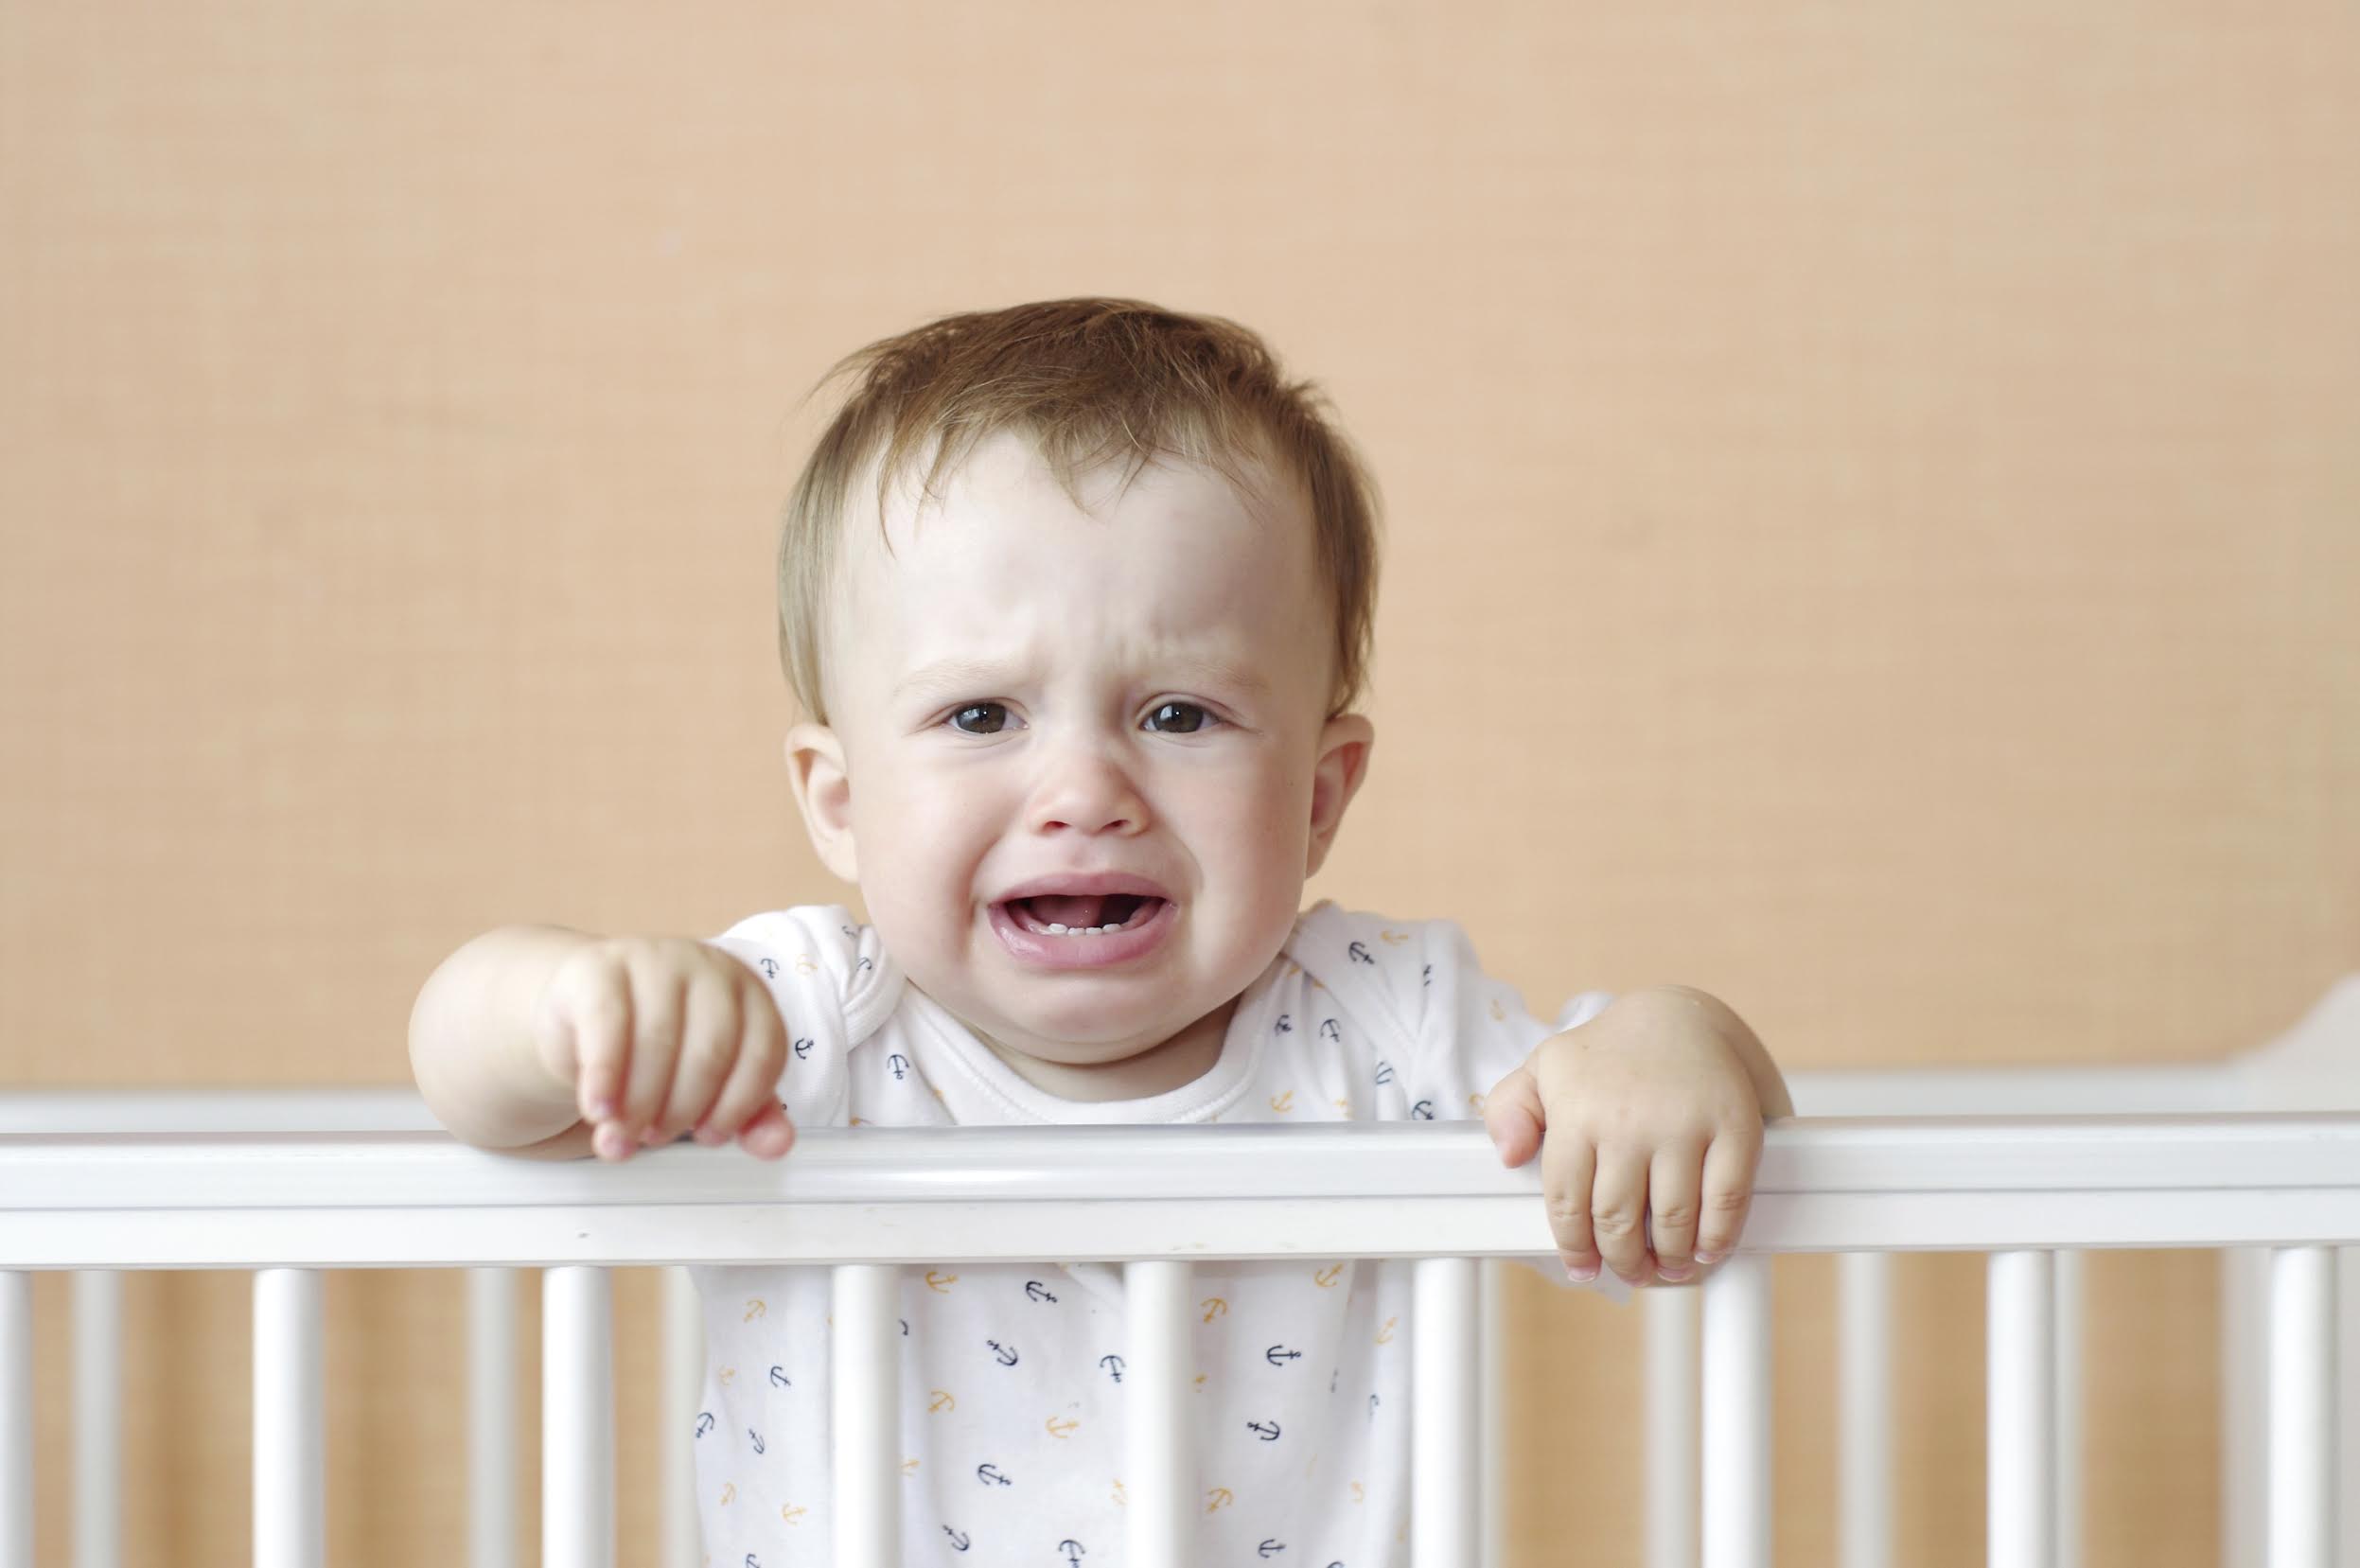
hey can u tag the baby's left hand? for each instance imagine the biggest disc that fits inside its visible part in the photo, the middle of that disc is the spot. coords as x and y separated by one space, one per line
1649 1120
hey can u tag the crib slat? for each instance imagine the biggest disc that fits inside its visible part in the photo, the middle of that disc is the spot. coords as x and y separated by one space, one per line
290 1436
577 1419
16 1419
1864 1396
2302 1407
683 1385
1444 1530
491 1418
2020 1384
1671 1438
98 1419
1737 1413
2066 1404
866 1373
1160 1452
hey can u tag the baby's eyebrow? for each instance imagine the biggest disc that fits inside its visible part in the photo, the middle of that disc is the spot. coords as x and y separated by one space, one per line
946 677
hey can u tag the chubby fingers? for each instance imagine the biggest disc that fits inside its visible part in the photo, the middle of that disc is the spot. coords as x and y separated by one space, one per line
1569 1164
1729 1167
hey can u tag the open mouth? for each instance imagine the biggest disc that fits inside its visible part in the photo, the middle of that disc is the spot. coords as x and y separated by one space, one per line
1083 914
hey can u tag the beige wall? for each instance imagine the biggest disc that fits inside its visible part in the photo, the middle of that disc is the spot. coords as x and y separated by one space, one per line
1871 503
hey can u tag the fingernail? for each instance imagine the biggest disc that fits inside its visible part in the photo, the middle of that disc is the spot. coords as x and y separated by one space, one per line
610 1142
1708 1259
708 1136
1674 1274
601 1110
1582 1273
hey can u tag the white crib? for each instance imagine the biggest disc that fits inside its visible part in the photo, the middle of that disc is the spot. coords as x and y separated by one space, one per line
2031 1166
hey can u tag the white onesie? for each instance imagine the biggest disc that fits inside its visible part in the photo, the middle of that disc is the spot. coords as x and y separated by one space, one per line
1011 1375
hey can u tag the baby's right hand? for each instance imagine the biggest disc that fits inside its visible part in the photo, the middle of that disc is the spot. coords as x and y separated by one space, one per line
662 1034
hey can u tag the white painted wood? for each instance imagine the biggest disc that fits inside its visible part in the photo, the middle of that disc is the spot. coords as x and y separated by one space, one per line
1160 1458
290 1430
683 1330
577 1419
491 1418
98 1419
2304 1398
1444 1365
2021 1379
866 1374
2245 1435
2066 1401
1736 1448
2348 1404
1491 1479
1864 1409
1367 1192
1673 1416
16 1419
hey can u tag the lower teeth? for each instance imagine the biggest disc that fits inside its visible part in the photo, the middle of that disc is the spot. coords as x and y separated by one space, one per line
1082 930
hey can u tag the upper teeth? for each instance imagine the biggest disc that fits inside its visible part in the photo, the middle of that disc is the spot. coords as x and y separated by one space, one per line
1057 931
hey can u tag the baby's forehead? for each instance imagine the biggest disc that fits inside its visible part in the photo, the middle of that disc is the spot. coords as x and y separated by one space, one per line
1007 472
1006 560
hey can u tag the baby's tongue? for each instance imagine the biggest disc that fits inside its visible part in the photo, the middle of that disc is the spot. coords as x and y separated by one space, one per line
1069 910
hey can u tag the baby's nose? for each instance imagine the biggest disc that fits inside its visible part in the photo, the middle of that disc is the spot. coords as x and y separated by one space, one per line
1087 792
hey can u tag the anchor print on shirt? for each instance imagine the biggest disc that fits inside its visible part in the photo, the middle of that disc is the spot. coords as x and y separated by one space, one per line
1359 953
1073 1551
1113 1364
1004 1354
991 1476
959 1540
1266 1431
1038 1292
1278 1355
899 1066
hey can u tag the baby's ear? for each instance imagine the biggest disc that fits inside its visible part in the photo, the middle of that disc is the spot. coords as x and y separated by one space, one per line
1343 745
823 792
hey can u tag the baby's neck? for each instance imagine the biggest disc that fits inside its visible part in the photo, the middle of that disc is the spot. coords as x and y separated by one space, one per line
1182 1059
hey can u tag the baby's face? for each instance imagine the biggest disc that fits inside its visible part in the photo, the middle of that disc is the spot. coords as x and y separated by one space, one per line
1048 719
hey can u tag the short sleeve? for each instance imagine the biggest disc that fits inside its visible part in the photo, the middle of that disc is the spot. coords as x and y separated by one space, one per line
1473 1031
812 960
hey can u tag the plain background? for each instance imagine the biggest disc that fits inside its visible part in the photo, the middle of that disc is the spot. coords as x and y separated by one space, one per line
1871 495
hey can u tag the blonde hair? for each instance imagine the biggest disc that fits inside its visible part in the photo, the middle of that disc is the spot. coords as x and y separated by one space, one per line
1093 383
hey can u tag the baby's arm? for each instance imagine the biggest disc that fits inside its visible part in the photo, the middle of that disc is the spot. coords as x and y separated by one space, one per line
536 1040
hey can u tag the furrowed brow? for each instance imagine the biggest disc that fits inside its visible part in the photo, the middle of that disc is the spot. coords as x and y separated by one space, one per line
950 677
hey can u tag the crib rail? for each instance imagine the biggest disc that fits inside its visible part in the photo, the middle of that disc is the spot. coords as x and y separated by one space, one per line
287 1203
883 1195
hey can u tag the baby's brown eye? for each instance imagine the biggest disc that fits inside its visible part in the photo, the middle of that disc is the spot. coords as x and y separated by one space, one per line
980 718
1177 718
